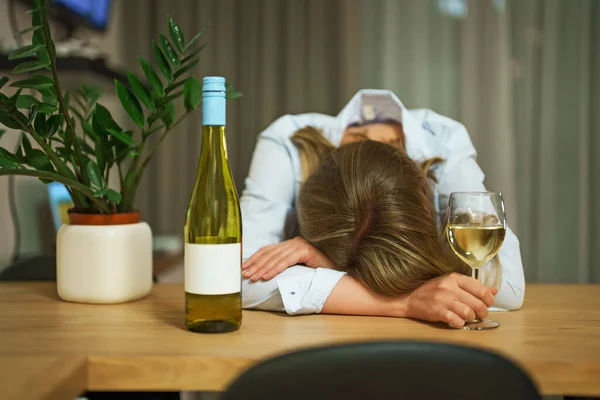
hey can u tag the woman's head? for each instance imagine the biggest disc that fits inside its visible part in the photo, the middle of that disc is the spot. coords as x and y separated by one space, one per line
369 208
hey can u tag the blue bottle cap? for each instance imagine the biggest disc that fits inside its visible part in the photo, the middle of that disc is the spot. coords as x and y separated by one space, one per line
213 84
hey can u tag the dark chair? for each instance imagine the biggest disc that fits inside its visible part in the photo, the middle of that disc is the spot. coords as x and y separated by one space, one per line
385 370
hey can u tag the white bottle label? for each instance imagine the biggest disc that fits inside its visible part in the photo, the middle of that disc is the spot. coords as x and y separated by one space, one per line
213 268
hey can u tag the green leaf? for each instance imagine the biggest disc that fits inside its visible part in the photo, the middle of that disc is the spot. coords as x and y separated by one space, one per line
102 120
153 130
49 96
94 174
25 101
124 137
29 66
30 29
26 145
87 129
161 61
185 69
193 54
2 132
46 108
168 50
12 100
84 145
192 92
36 81
171 97
151 76
37 19
176 34
81 103
169 115
3 81
90 93
102 149
100 193
191 42
67 99
231 93
35 10
52 124
25 51
39 160
77 113
174 86
40 125
130 103
7 159
32 113
140 91
113 196
8 121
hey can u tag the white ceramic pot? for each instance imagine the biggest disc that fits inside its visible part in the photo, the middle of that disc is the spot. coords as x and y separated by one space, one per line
104 263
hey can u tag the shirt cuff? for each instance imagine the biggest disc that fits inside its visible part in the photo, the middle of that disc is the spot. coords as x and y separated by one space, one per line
306 293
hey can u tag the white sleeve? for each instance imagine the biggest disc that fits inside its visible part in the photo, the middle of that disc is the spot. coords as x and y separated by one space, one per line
266 203
461 173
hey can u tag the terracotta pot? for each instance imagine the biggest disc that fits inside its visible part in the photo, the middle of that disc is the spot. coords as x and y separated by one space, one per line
104 258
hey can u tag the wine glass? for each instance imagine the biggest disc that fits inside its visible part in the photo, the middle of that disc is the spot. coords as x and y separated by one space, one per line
475 229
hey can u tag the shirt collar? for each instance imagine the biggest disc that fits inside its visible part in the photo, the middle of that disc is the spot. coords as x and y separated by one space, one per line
421 143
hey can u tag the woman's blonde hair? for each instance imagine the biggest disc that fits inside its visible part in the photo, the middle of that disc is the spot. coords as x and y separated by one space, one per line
368 207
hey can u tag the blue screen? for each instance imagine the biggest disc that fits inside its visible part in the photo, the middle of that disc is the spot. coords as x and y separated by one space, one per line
60 203
96 12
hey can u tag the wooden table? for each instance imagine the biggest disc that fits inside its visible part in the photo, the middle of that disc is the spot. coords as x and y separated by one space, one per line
52 349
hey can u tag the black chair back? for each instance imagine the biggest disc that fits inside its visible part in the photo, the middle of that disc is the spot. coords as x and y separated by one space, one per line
385 370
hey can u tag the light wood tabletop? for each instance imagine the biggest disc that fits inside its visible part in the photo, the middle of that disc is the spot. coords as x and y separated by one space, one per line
52 349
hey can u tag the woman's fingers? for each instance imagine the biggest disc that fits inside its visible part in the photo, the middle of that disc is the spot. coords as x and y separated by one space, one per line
450 317
269 261
256 262
257 256
463 311
473 303
280 266
477 289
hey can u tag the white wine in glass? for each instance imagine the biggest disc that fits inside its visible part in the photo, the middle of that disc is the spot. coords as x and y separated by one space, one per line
475 228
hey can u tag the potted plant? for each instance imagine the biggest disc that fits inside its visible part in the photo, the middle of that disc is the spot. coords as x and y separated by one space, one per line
104 254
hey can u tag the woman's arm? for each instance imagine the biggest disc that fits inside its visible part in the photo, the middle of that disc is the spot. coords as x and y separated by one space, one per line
267 203
462 173
451 298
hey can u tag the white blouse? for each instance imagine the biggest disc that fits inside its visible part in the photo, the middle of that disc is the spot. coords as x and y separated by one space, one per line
268 202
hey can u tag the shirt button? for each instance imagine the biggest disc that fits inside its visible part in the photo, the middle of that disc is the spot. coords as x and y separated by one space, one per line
292 293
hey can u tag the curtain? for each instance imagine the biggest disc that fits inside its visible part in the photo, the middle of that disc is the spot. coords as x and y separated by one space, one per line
556 48
285 56
523 76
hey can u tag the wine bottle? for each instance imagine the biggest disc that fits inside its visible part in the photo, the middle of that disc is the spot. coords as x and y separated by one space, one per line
213 227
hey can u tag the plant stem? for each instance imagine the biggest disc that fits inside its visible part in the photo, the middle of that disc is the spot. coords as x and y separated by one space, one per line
62 106
120 172
134 175
84 190
159 141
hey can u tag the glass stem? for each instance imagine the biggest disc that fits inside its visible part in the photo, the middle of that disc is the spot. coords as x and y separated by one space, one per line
476 276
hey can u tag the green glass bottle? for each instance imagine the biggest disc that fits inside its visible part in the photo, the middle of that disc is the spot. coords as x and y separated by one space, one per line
213 227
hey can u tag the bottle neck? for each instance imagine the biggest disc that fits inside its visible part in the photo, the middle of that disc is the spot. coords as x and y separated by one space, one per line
213 139
213 109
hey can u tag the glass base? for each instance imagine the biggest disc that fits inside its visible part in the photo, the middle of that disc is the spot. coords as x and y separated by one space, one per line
213 326
480 325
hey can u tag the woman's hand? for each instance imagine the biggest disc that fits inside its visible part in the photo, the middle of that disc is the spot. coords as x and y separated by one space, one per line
270 261
450 298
